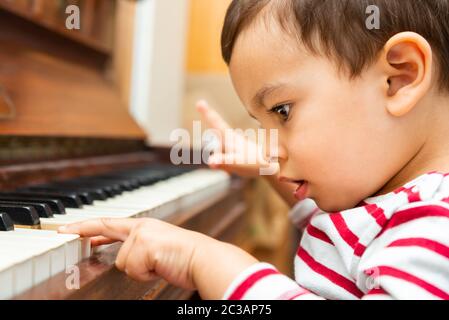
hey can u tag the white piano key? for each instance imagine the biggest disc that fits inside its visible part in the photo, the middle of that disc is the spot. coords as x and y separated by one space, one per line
6 281
48 253
21 260
60 250
10 264
73 247
85 248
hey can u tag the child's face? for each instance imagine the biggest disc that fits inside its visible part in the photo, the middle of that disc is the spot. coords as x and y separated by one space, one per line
334 133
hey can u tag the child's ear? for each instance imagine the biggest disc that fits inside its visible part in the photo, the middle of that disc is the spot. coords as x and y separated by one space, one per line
407 58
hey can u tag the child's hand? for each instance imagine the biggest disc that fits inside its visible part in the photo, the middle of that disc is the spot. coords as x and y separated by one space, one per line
235 150
151 247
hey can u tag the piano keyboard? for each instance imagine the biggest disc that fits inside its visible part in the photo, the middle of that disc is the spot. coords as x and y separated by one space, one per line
31 250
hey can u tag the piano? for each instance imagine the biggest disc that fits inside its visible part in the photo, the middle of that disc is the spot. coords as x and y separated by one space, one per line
71 151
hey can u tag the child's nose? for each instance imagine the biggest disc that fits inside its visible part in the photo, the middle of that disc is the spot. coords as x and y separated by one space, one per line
274 150
278 153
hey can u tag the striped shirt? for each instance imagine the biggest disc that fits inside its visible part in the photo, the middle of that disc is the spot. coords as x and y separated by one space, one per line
393 246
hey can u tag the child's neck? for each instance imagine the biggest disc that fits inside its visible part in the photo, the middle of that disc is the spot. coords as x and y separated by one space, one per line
433 154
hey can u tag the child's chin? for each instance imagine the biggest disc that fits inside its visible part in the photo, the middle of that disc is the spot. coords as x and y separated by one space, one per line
329 204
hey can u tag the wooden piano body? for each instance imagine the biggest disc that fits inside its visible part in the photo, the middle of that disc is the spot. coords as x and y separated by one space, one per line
62 115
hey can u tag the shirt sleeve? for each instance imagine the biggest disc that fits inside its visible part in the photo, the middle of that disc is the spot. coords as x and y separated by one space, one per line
262 281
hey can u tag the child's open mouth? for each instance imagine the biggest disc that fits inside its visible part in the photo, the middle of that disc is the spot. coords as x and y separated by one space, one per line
301 191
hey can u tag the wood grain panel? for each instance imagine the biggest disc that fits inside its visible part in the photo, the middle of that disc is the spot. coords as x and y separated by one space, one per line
57 87
123 48
96 20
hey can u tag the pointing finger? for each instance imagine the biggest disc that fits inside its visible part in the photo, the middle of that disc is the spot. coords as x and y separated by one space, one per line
212 117
114 229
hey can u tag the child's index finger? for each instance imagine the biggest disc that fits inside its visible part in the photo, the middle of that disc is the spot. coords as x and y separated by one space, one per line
212 117
117 229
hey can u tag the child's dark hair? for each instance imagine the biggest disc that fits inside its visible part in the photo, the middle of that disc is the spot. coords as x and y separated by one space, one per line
340 27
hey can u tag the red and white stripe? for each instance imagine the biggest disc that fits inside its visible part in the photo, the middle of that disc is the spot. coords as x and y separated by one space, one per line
394 246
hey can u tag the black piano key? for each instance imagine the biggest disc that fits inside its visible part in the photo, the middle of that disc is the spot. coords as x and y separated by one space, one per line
94 193
115 187
133 182
108 190
118 185
42 209
70 201
23 215
148 181
55 205
6 223
97 194
127 183
111 178
84 196
144 179
93 182
112 189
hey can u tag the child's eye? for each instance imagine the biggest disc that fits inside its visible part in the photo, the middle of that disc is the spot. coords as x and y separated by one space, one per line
283 111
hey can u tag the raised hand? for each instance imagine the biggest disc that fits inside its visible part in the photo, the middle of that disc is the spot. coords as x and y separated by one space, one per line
238 154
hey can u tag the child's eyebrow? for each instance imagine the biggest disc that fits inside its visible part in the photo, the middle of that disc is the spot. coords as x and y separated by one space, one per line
266 90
